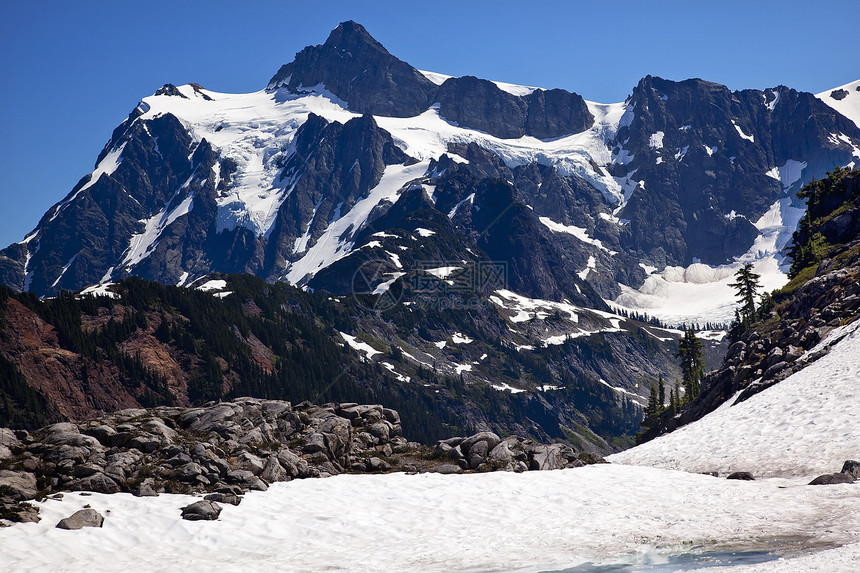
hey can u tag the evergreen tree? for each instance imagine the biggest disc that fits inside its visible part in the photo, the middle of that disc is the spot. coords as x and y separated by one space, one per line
676 406
747 285
692 365
661 394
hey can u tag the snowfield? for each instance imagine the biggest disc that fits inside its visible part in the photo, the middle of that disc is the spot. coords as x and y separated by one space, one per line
599 515
540 521
806 425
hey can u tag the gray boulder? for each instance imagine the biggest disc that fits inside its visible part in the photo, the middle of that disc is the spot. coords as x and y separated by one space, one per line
98 482
82 518
491 439
445 469
8 440
273 471
18 485
205 510
830 479
547 457
852 468
223 497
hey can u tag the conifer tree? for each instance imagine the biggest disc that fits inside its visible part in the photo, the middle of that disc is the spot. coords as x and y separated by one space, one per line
692 365
661 394
747 285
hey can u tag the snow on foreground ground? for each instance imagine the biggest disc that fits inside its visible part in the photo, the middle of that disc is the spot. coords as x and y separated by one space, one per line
806 425
535 521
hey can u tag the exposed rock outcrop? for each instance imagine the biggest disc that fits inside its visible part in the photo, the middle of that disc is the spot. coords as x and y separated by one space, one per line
228 448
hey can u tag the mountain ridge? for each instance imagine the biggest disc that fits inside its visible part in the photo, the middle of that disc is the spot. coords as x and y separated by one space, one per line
632 153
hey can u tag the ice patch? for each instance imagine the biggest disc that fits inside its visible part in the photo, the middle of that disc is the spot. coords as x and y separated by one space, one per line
789 174
470 199
99 290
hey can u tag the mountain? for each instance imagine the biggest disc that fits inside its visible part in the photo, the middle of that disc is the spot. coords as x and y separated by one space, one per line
518 250
280 183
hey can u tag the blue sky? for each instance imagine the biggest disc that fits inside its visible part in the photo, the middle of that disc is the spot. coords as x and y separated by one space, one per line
72 71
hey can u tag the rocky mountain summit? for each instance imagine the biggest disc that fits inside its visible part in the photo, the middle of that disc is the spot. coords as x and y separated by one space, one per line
228 448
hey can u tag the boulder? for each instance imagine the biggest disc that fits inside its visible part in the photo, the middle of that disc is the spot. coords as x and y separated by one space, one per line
852 468
205 510
102 433
98 482
188 472
378 465
252 463
491 439
478 453
8 440
829 479
547 457
221 497
144 489
82 518
273 471
445 469
747 476
295 465
18 485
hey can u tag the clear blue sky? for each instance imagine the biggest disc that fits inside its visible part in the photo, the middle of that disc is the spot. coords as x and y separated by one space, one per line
71 71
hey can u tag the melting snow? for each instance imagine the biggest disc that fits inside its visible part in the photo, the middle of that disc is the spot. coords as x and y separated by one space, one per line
504 386
368 350
218 284
803 426
65 268
442 272
578 232
742 134
425 232
656 140
459 338
470 198
99 290
583 274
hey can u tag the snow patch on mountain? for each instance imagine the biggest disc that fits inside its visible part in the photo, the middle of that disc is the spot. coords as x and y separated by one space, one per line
356 344
844 99
789 174
106 166
579 232
334 244
141 244
742 133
